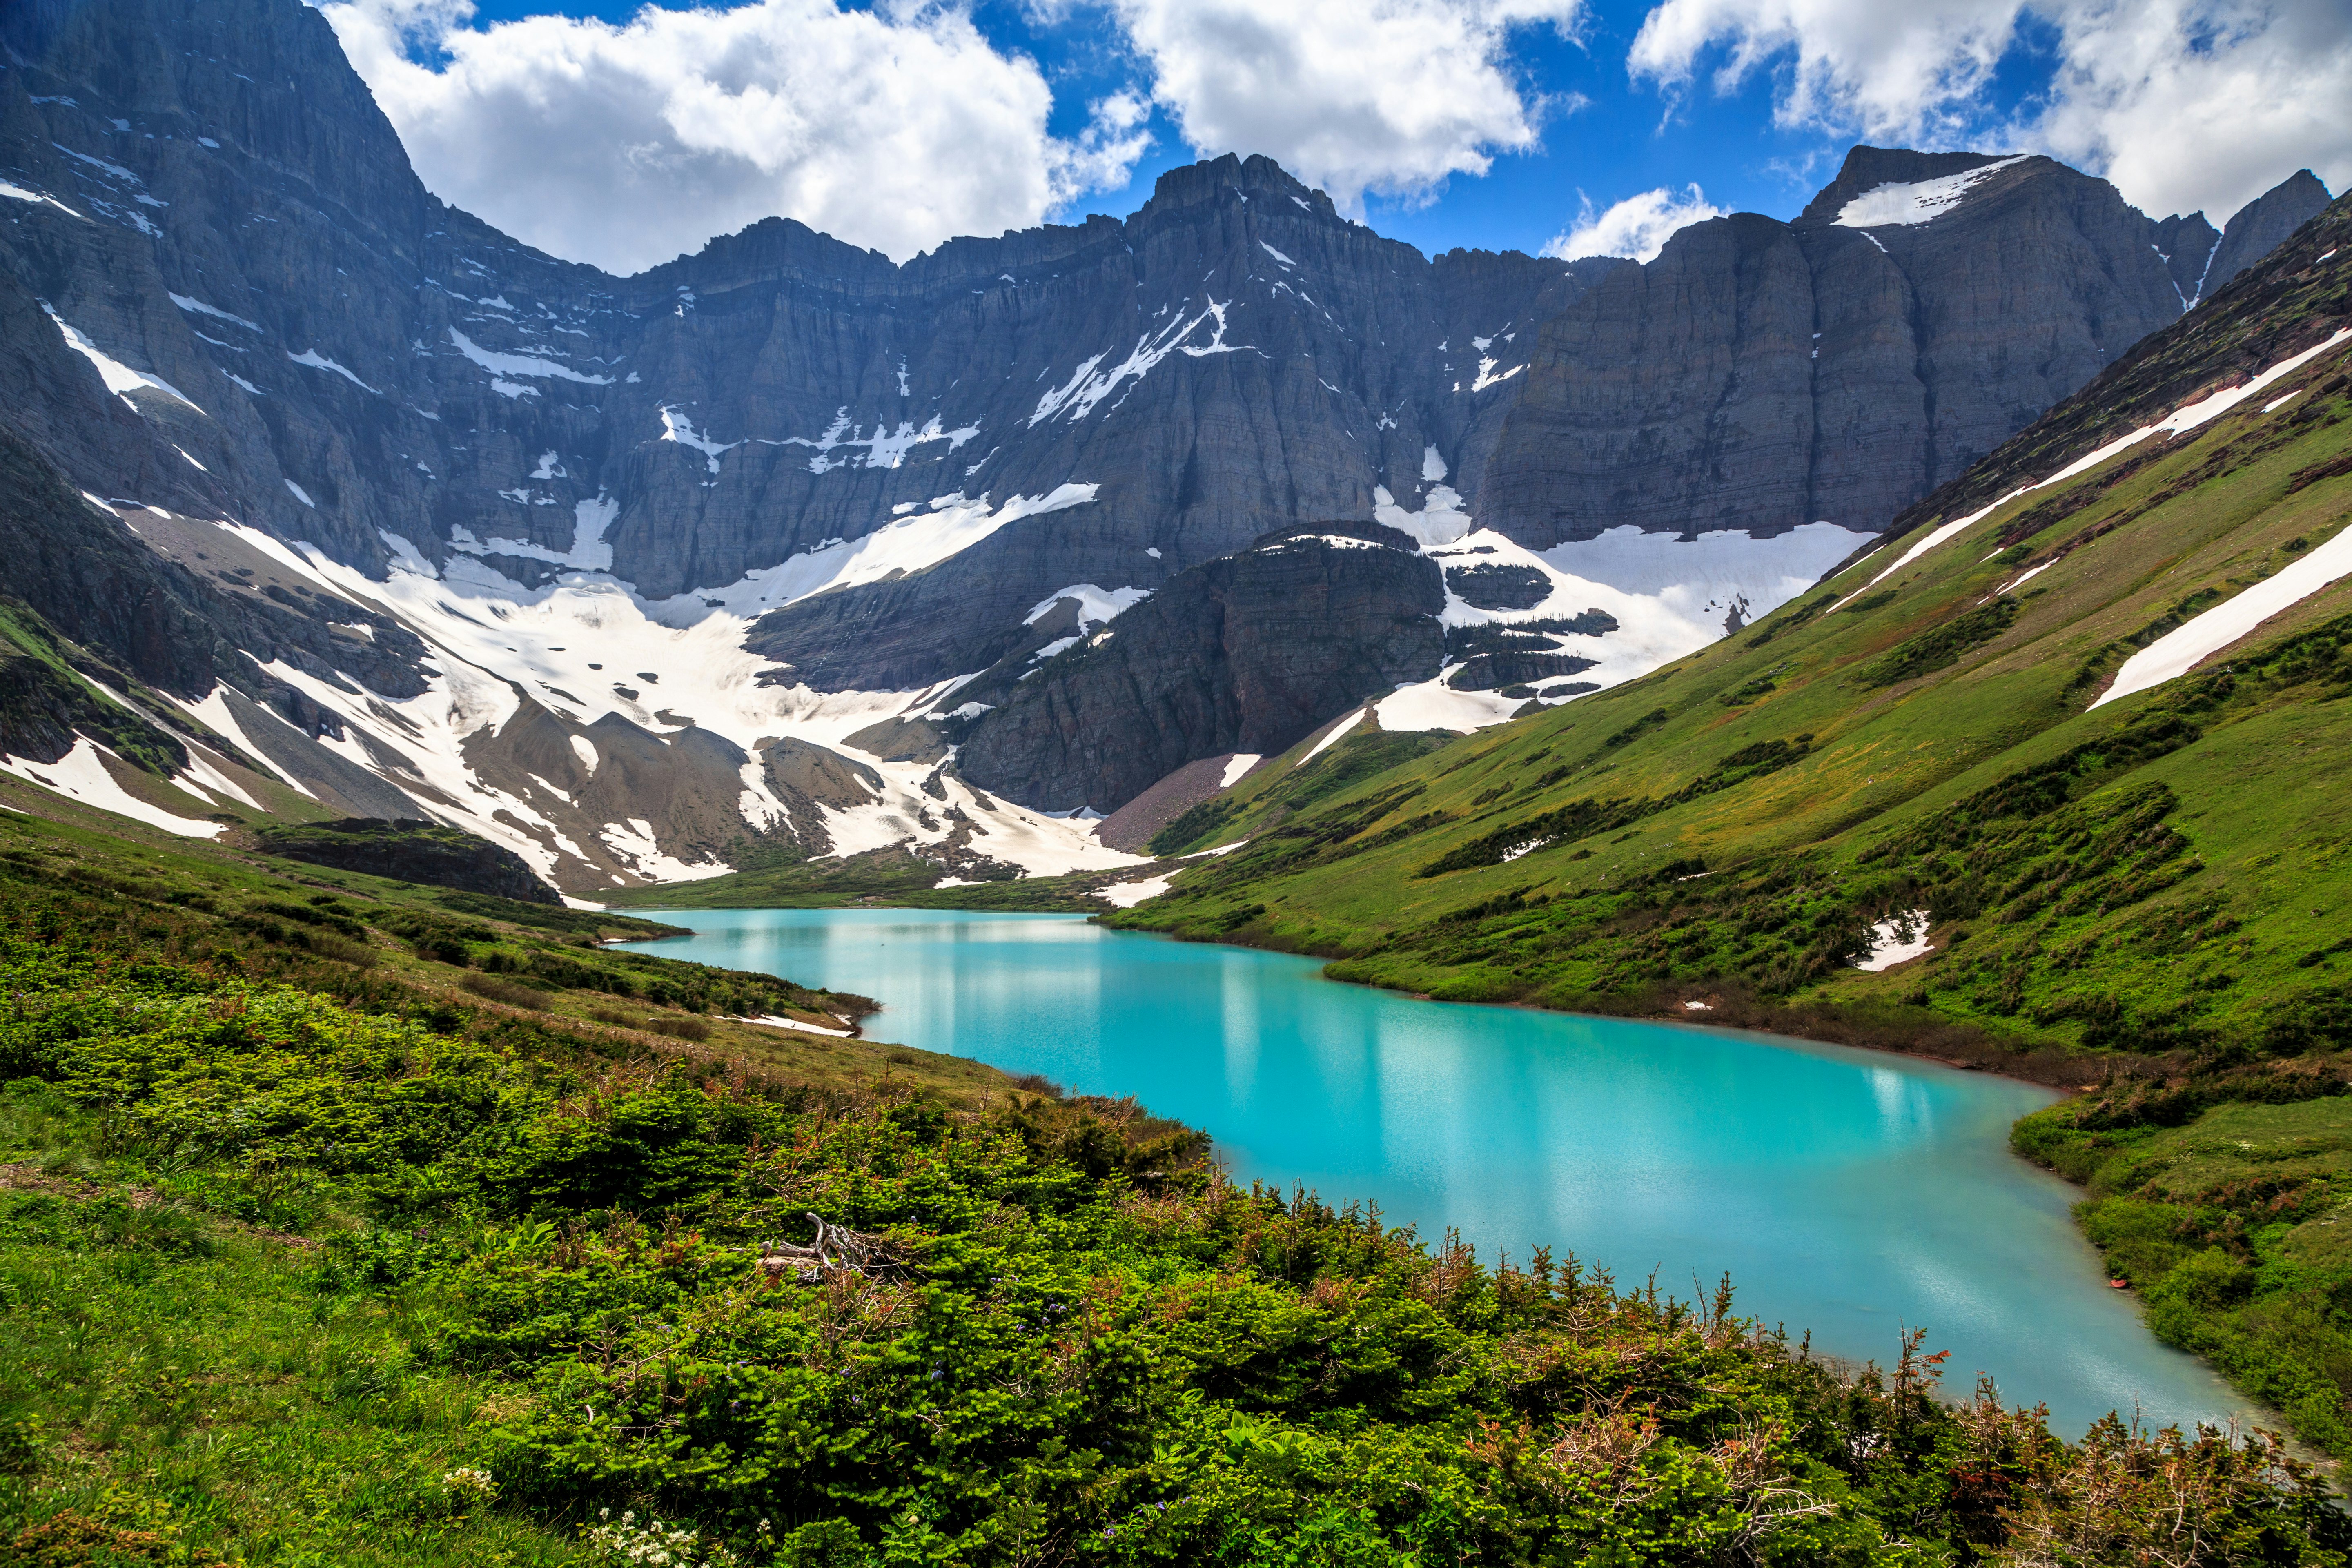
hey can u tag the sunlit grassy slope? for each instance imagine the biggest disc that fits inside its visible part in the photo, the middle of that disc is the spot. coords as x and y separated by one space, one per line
2170 869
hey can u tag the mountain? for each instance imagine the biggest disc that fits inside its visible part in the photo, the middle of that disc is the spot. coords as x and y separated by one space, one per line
2030 719
2053 783
390 516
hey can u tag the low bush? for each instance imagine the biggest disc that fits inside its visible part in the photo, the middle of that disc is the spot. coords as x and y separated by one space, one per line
512 993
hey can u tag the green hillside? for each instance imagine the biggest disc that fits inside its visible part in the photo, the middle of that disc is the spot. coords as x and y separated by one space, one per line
2149 898
2168 870
345 1222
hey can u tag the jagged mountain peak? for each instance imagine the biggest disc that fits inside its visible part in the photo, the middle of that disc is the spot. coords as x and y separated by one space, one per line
1868 168
815 494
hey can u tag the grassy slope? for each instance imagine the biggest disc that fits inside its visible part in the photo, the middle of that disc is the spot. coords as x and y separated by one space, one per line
308 1264
1825 800
2149 899
436 953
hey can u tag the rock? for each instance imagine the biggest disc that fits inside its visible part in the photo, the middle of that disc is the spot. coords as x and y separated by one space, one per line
411 850
1489 671
945 450
2261 225
1760 374
1249 653
816 773
1131 827
2187 245
1498 587
910 739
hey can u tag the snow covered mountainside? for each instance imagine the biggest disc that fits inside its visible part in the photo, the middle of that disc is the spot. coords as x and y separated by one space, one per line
329 498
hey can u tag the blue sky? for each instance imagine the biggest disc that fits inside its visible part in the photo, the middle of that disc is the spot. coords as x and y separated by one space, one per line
504 119
1623 139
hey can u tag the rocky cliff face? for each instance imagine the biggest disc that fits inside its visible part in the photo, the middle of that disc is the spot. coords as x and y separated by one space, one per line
412 851
408 516
2260 227
1245 653
1921 310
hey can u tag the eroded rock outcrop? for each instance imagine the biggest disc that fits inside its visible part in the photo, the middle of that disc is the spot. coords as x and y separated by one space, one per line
1247 654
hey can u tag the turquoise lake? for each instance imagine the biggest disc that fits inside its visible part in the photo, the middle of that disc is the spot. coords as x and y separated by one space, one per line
1847 1192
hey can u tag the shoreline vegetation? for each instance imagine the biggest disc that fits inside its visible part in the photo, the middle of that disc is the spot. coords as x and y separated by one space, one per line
340 1221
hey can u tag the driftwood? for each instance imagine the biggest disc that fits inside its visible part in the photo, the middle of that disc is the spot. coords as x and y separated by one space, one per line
836 1250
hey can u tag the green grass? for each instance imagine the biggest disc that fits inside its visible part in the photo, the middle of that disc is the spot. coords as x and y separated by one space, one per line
174 1374
295 1281
1655 844
2233 1224
460 959
892 877
2148 899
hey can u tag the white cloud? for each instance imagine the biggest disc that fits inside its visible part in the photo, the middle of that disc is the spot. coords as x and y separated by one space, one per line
1637 226
1387 96
2183 103
2186 106
1891 72
896 128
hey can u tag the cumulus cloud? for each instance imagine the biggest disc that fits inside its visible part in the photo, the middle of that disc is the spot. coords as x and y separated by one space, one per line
1386 96
2183 103
625 145
1637 226
2186 106
1888 72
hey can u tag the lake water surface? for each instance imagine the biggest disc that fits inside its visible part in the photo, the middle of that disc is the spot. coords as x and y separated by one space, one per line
1848 1192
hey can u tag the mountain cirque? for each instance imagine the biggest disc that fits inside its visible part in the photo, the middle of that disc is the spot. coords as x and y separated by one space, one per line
390 516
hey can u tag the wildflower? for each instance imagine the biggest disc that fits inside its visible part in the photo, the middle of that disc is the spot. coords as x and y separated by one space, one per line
470 1487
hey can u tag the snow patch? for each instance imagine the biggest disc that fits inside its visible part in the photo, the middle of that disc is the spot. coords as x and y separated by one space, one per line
1095 605
213 712
1433 705
1334 734
82 775
200 777
1127 895
2182 650
1239 763
777 1021
632 843
1669 597
215 311
904 545
521 364
1486 376
885 448
317 360
1440 520
1897 940
677 427
1334 541
2188 416
1089 385
120 378
1924 201
18 192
